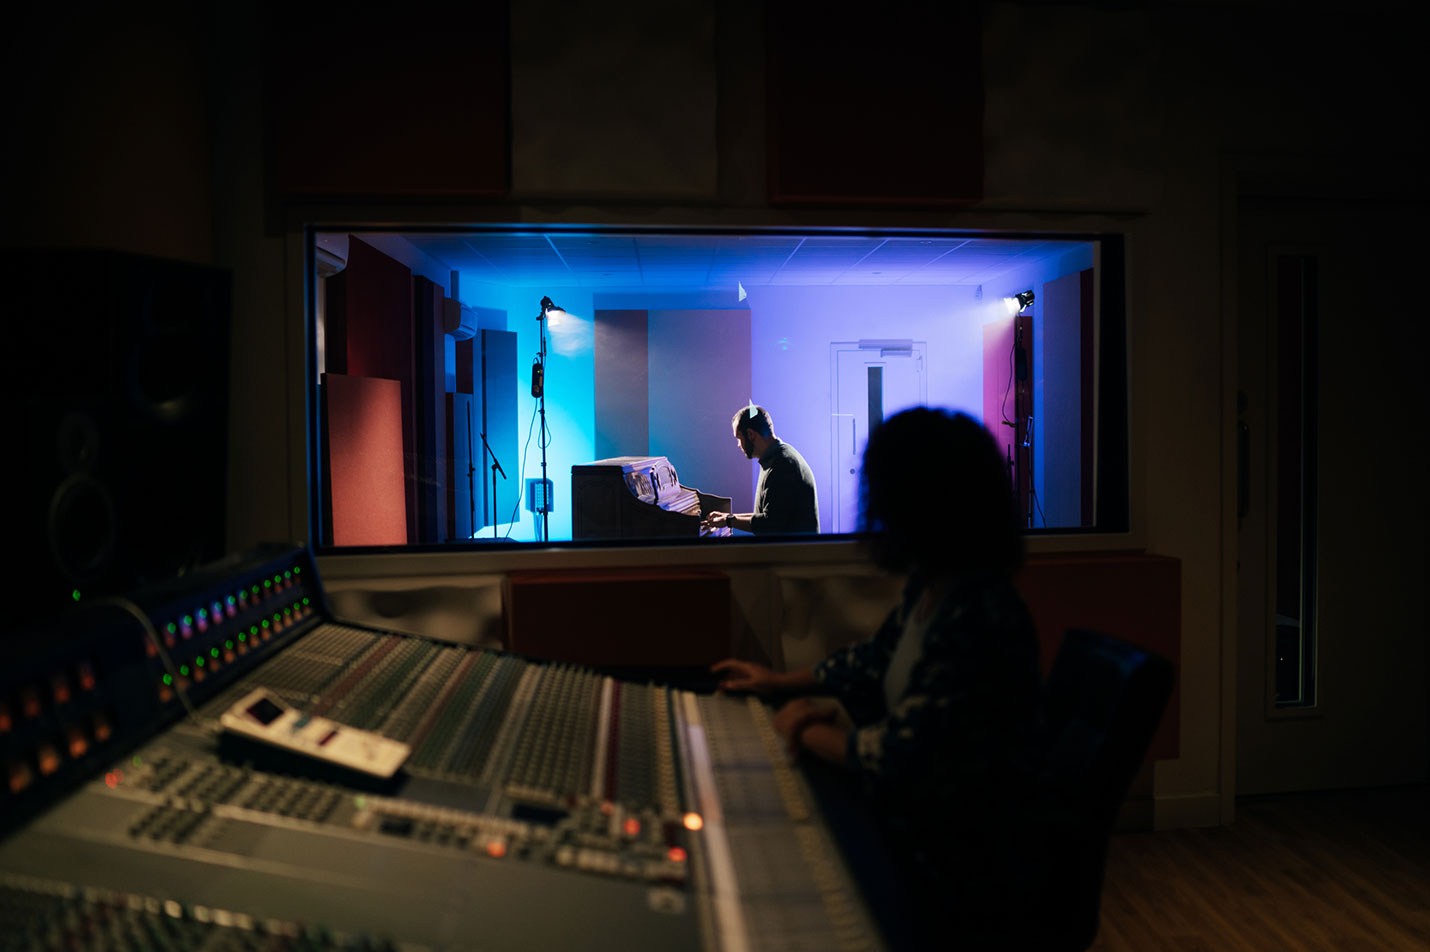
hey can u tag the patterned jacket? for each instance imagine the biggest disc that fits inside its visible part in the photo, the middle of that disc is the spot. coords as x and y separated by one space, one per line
951 769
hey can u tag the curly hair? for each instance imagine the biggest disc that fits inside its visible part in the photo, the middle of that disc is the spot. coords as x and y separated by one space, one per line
966 518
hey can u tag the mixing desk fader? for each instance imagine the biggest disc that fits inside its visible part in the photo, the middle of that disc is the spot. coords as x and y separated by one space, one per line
539 805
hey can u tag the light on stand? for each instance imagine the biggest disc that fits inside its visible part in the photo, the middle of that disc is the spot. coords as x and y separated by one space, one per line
1019 302
538 390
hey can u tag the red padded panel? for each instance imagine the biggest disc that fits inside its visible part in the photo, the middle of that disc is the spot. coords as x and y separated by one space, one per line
364 466
1130 595
369 328
998 382
884 109
362 101
637 618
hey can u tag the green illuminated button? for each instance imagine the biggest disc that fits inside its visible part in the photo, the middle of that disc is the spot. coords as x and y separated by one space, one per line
168 679
75 594
173 628
184 670
214 652
228 645
287 574
242 636
199 661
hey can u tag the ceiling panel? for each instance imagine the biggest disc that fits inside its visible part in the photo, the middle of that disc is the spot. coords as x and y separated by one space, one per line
531 259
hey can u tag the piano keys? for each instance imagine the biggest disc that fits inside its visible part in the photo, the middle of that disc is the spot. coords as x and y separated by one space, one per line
638 497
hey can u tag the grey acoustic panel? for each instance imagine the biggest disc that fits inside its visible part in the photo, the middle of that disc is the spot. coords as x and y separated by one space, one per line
699 376
621 382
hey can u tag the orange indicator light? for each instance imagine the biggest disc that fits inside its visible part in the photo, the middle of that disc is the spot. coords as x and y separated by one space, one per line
676 854
608 808
632 826
496 849
693 821
49 760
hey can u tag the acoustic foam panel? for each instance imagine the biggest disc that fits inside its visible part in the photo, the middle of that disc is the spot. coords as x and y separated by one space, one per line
363 465
499 390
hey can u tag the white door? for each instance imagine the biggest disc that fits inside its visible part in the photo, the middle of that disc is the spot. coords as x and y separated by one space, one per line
873 380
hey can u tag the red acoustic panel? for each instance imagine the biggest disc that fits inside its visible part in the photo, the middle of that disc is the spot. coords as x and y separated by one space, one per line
1129 595
998 382
638 618
369 330
884 109
362 443
361 101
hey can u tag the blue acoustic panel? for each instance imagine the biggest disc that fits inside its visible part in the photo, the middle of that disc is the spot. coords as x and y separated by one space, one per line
499 392
463 417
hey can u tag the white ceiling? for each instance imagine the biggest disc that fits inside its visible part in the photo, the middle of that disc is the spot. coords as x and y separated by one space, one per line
712 261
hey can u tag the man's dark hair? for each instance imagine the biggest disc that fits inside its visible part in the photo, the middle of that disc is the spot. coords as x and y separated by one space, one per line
762 423
935 496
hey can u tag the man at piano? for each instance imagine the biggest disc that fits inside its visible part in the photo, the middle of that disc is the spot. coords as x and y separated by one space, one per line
785 498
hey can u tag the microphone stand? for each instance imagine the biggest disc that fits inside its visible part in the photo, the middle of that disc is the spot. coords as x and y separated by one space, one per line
471 478
496 468
541 408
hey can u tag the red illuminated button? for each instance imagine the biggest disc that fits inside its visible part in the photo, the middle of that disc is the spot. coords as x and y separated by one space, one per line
60 687
102 730
30 702
19 775
86 675
49 760
5 722
76 743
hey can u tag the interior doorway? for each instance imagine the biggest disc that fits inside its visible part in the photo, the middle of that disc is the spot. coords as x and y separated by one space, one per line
1331 662
871 381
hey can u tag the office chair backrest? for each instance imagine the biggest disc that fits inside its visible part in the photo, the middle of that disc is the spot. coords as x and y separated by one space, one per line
1102 702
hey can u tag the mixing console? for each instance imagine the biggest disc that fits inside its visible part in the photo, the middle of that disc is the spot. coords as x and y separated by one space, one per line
543 806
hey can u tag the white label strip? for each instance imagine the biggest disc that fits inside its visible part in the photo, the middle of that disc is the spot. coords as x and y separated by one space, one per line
725 891
603 736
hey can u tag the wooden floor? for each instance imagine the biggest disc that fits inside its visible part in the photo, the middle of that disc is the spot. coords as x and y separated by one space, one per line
1346 870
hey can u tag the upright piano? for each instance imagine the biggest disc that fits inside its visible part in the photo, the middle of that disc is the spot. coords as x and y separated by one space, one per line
638 497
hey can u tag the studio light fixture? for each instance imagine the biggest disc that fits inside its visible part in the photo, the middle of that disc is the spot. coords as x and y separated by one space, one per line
1019 302
549 310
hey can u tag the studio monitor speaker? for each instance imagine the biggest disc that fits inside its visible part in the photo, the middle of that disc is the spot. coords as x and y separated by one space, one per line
116 370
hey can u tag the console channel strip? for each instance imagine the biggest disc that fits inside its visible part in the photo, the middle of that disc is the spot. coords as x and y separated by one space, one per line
544 806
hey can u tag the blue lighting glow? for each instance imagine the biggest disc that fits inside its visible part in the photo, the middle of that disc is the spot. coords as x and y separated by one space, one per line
667 382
